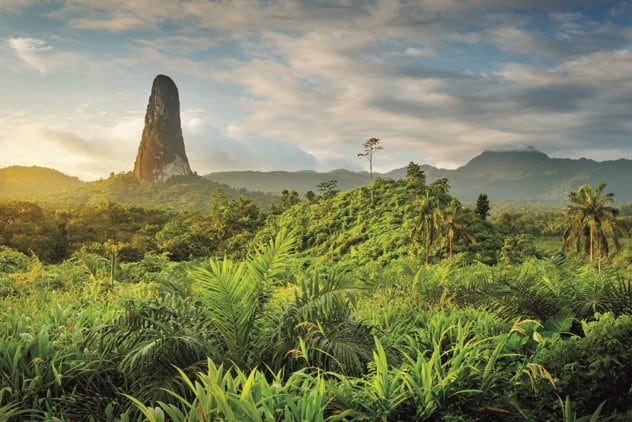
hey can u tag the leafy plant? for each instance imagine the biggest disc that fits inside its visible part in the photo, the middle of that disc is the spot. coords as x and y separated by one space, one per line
320 318
233 295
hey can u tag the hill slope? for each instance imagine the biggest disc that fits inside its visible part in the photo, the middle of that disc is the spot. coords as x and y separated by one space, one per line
58 190
22 182
300 181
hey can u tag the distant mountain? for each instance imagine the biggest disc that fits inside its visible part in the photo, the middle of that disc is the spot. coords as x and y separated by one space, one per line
22 182
503 175
518 176
300 181
533 176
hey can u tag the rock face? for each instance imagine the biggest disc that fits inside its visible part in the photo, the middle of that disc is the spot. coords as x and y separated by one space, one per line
161 153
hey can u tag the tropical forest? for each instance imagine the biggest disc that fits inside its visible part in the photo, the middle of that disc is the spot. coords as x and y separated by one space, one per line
186 300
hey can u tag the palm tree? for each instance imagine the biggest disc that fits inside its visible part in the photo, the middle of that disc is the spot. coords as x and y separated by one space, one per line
455 224
428 226
592 222
233 294
317 327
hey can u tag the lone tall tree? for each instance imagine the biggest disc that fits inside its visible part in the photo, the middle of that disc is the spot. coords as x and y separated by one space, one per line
371 145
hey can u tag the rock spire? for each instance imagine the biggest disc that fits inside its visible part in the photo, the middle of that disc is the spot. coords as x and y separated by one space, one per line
161 153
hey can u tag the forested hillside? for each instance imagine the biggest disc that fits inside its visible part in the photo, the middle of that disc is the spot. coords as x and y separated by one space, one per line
26 182
56 190
176 193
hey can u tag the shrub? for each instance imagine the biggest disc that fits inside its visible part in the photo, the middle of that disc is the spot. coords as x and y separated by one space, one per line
595 367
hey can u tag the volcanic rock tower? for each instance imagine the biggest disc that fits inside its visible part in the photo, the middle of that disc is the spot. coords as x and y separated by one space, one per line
161 152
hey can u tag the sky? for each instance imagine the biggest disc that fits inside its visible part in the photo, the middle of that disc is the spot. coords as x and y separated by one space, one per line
301 85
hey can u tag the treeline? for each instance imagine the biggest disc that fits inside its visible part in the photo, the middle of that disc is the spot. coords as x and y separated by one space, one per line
55 235
386 220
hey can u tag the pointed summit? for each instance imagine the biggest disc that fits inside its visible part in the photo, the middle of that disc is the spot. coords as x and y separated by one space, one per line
161 153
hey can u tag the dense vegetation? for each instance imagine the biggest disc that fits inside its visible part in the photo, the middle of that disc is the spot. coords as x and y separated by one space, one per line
392 301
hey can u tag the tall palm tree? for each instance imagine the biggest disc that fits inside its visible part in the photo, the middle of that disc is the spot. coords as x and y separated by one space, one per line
455 224
428 226
592 222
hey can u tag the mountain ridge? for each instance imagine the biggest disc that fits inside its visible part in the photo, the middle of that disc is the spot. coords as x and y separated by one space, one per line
515 175
504 176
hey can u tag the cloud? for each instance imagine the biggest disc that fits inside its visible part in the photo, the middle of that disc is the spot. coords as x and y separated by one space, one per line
99 156
71 146
38 54
113 24
16 5
209 150
305 82
29 49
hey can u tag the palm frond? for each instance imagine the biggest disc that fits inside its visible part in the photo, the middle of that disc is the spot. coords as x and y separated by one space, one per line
232 294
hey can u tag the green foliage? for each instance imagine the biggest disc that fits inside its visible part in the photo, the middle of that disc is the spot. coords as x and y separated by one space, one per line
31 229
177 193
317 328
21 182
221 394
482 206
517 249
427 230
594 368
43 366
185 237
535 223
415 177
91 226
345 227
328 188
234 293
592 222
331 320
147 340
12 261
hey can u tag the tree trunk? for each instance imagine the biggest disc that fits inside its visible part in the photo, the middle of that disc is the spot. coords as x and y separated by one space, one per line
451 241
599 264
591 246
